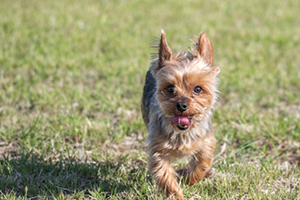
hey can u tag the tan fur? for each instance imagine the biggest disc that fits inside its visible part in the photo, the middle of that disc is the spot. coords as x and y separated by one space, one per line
184 71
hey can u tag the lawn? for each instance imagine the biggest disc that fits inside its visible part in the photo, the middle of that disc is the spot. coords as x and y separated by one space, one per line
71 80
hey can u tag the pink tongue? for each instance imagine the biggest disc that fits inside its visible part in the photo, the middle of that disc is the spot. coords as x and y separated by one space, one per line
180 120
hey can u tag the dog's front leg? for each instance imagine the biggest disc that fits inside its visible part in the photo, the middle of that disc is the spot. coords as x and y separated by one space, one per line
200 164
160 166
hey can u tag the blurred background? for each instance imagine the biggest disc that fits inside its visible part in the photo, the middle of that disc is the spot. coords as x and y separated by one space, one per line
71 80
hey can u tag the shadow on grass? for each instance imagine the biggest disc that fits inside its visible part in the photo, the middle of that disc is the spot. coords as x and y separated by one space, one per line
33 177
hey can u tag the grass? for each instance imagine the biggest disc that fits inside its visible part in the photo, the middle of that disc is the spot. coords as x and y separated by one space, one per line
71 78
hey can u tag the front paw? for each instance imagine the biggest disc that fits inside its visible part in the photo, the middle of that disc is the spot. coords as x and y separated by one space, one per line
210 173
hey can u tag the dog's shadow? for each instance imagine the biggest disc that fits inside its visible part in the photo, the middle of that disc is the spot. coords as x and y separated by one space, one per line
32 177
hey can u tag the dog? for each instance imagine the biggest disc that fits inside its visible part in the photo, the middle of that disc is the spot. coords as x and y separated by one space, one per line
179 94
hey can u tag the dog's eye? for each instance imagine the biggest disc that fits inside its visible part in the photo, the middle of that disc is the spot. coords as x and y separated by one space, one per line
197 90
171 89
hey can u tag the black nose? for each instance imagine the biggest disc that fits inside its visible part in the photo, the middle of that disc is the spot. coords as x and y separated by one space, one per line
182 106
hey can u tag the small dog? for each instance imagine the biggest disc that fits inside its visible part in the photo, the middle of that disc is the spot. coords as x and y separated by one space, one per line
179 94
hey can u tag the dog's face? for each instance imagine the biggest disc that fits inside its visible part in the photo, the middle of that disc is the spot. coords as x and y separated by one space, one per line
186 84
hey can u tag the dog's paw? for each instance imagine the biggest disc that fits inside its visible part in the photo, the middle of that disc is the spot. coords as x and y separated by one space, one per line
210 173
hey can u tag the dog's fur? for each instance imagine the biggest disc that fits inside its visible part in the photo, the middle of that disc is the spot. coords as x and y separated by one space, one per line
183 71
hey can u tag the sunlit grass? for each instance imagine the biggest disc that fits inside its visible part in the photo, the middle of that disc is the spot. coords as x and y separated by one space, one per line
71 79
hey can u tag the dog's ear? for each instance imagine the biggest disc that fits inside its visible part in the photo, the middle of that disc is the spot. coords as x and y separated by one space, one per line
205 49
164 51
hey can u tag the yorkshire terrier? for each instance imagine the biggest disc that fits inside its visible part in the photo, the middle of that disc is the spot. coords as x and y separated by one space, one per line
179 94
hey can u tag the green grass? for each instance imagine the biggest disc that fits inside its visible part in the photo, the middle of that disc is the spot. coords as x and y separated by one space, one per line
71 79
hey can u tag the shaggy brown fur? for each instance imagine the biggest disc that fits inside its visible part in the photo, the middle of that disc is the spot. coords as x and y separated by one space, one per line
189 79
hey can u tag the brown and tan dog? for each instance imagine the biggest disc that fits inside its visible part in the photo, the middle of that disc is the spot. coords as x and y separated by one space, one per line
178 98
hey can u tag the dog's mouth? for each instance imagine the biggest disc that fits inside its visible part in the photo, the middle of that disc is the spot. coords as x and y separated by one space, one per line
182 122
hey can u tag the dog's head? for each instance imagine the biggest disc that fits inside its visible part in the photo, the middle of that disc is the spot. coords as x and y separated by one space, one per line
186 82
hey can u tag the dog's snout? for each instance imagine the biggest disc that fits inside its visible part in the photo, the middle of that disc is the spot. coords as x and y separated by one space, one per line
182 106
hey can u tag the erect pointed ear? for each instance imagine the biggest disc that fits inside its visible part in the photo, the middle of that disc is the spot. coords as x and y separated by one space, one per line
205 49
164 51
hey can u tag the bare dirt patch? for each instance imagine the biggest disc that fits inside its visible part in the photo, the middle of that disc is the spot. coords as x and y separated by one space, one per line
8 149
